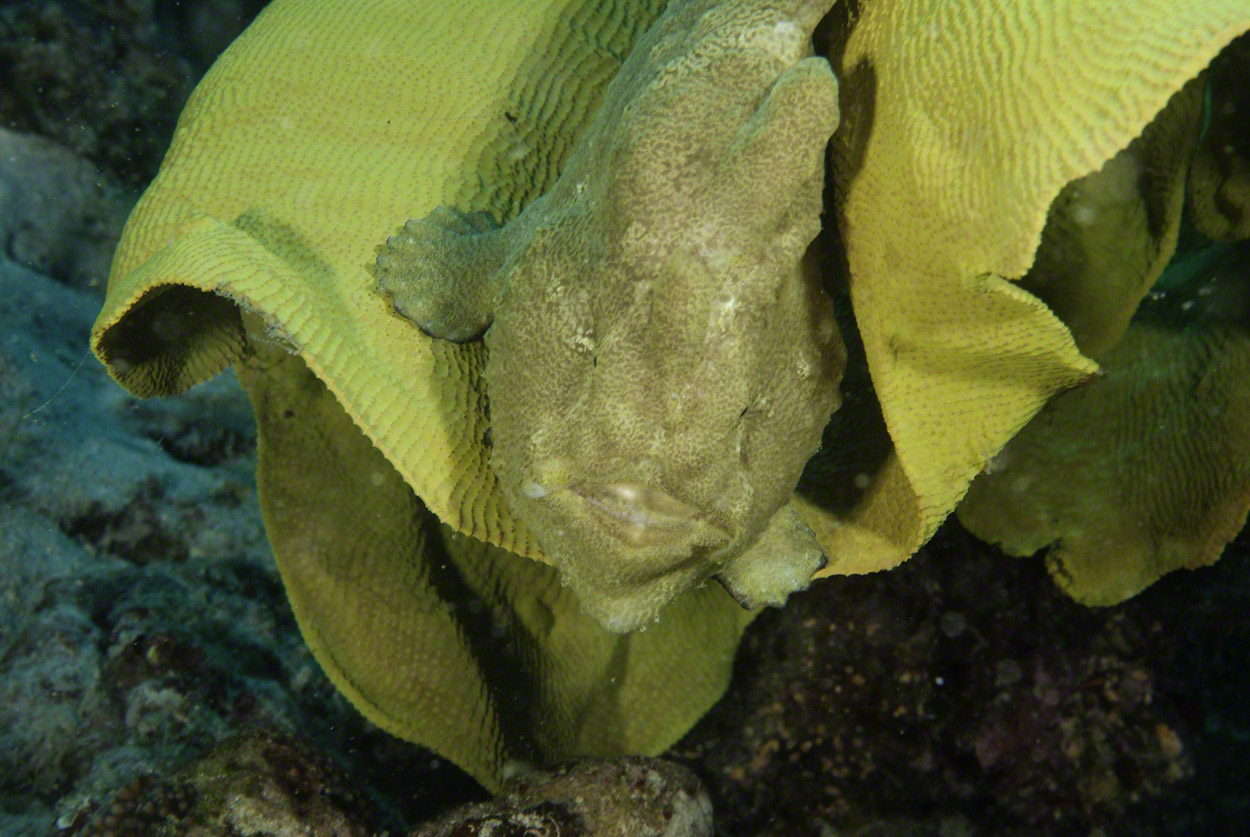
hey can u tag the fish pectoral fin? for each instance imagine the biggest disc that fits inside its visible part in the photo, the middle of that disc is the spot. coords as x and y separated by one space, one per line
442 272
780 562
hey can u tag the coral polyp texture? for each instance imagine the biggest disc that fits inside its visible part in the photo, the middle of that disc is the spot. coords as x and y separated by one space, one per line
498 547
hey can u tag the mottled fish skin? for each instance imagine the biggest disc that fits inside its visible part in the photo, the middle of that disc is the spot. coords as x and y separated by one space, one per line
662 356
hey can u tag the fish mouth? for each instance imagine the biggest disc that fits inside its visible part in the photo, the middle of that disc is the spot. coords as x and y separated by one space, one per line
642 515
626 549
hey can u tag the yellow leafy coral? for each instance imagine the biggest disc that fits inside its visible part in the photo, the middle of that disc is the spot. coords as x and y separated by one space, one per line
327 124
962 122
314 134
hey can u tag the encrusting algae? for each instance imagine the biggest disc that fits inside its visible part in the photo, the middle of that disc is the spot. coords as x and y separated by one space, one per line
991 168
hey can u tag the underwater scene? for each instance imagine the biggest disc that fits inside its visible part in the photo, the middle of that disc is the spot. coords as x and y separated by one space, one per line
577 417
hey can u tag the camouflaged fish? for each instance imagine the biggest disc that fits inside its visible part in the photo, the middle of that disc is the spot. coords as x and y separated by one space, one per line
662 359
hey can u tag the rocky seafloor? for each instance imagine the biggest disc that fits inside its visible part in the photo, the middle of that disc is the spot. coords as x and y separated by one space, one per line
153 680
